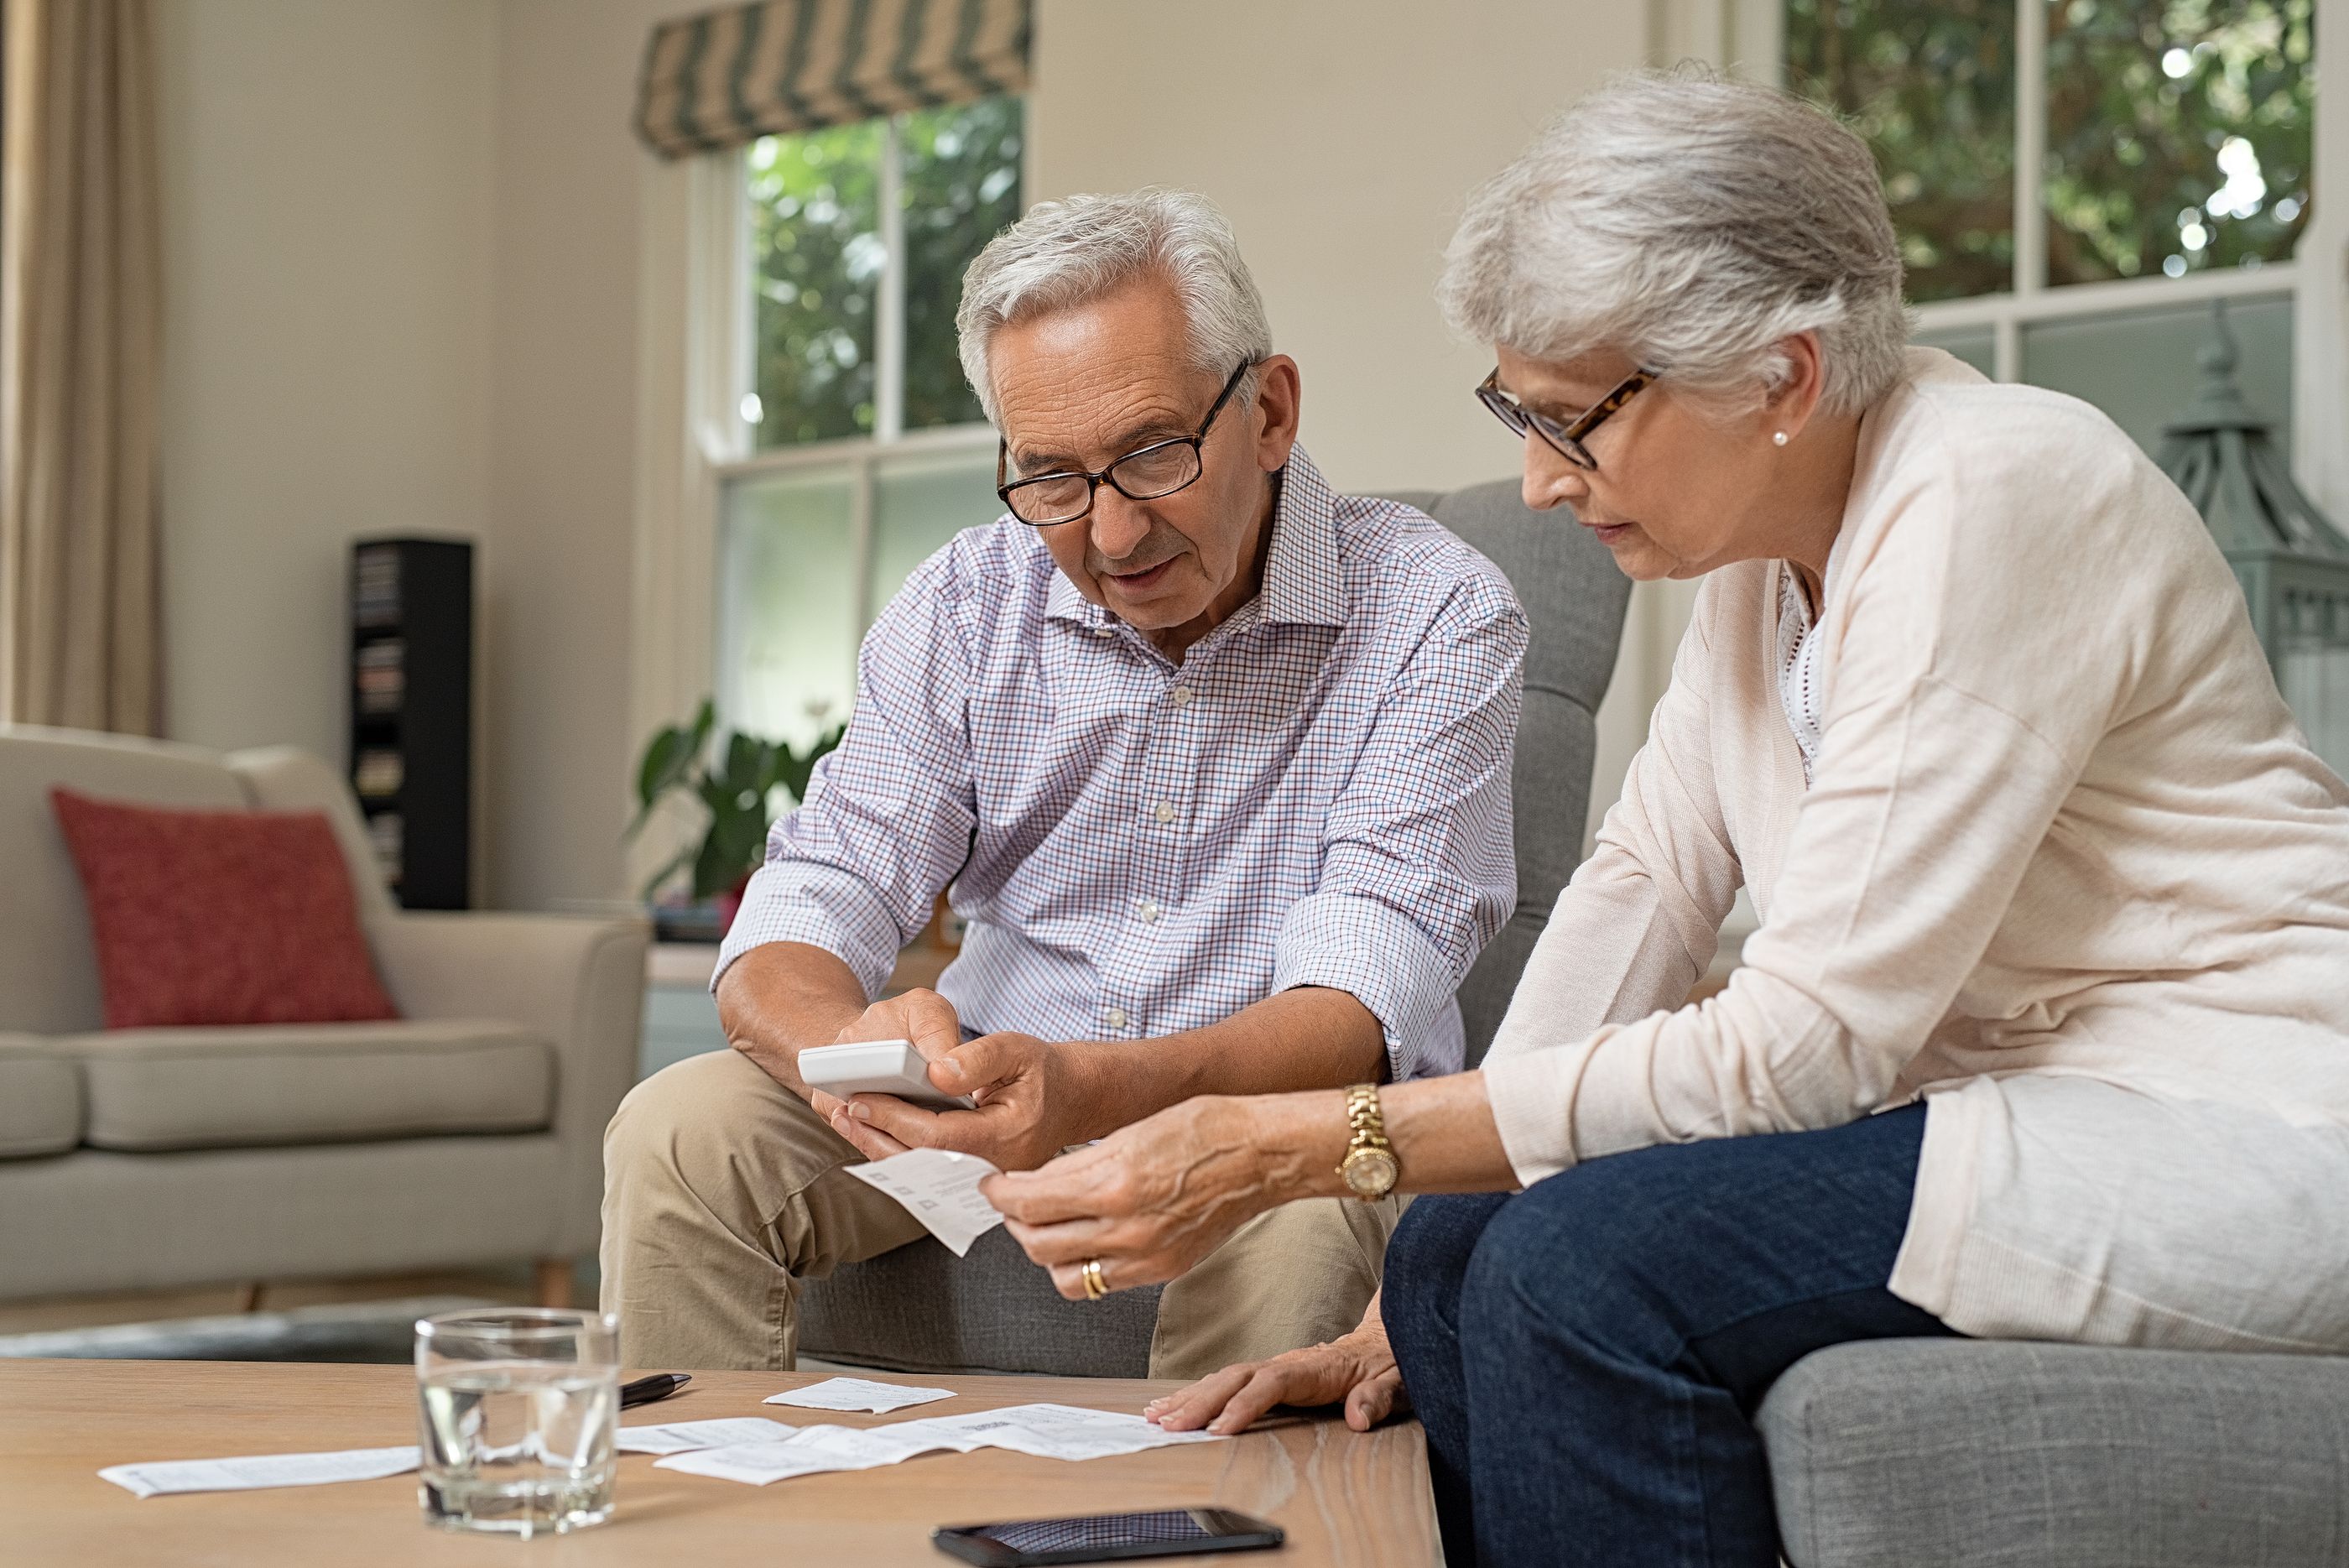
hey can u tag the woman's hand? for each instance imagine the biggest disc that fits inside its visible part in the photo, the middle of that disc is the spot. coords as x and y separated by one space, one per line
1155 1197
1358 1369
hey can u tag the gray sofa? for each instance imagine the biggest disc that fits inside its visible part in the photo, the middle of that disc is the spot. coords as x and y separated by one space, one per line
469 1131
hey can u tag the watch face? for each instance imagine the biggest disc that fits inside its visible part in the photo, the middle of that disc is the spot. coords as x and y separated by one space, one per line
1371 1172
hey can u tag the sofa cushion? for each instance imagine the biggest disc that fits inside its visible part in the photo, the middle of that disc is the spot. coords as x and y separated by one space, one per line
220 917
1944 1453
40 1098
314 1083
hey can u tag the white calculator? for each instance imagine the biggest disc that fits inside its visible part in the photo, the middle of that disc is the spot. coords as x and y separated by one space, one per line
877 1067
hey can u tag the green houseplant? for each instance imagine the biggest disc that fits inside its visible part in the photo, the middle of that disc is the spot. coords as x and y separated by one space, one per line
736 780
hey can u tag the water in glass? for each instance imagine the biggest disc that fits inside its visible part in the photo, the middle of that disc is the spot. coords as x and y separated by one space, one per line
519 1415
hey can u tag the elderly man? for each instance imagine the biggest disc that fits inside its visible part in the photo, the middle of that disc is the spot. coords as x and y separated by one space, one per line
1216 763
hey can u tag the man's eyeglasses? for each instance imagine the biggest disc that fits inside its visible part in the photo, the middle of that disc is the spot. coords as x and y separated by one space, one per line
1146 473
1566 440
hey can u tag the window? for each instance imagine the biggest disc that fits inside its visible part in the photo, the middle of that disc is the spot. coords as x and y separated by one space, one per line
2074 180
857 448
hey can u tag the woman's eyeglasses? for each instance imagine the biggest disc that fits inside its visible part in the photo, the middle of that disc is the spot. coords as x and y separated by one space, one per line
1566 440
1146 473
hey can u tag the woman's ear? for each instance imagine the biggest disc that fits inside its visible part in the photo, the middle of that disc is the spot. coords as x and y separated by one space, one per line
1790 408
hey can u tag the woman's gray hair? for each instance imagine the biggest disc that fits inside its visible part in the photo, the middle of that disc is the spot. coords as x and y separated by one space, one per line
1691 223
1072 252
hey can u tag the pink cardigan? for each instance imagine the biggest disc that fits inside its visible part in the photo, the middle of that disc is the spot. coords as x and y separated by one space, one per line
2067 870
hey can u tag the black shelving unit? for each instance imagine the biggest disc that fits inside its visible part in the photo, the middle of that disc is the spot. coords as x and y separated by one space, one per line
411 694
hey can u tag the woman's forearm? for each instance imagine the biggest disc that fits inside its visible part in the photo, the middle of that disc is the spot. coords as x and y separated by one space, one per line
1441 1130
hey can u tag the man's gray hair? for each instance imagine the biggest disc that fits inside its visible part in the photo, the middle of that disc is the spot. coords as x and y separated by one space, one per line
1072 252
1691 223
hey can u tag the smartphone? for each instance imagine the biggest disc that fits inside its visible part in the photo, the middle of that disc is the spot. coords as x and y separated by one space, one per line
1106 1537
877 1067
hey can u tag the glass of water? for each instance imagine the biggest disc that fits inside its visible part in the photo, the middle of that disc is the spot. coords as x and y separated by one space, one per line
520 1408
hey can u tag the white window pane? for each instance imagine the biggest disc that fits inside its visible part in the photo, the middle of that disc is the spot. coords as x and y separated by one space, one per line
2140 366
787 617
919 503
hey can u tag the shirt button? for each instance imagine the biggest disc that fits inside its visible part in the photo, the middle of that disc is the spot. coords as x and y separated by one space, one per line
1114 1018
1164 811
1182 695
1148 911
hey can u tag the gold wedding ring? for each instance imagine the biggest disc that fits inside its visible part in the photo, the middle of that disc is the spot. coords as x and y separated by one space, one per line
1091 1274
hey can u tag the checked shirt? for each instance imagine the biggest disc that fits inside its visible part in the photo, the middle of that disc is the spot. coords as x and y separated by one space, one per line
1318 793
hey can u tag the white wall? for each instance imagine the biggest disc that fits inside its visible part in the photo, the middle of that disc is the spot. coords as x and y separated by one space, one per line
327 205
564 436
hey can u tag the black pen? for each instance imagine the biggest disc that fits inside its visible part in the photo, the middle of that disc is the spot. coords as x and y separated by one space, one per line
659 1386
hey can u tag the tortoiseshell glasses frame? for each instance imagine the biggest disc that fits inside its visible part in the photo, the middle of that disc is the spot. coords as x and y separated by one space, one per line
1566 440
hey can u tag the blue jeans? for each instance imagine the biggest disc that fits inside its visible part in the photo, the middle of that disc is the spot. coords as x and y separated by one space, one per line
1586 1355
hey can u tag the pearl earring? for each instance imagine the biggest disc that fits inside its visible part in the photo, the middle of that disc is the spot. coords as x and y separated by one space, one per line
1779 439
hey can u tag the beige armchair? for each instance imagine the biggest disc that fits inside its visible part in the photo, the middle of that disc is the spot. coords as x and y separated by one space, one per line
466 1132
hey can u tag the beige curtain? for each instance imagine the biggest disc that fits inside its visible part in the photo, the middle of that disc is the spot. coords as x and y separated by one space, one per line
79 329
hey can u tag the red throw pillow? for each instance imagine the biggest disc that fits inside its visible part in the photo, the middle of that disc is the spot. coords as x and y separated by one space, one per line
220 917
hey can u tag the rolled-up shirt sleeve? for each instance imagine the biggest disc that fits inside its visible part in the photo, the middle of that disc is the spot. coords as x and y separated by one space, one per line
889 814
1418 865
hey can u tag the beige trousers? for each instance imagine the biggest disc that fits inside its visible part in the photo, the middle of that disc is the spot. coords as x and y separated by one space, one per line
722 1191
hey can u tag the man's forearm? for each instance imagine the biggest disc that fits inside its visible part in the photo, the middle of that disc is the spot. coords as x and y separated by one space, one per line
781 997
1311 1037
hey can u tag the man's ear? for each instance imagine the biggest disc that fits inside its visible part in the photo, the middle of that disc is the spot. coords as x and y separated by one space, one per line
1279 397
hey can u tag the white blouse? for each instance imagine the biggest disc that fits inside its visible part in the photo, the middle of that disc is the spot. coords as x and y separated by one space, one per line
1799 689
2065 867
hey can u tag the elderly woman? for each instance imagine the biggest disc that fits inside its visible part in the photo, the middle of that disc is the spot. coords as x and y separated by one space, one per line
2045 1031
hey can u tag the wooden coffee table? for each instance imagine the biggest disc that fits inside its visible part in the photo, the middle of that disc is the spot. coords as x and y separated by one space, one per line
1343 1496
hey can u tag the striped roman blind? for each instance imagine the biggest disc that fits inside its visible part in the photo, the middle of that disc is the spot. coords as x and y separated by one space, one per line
724 78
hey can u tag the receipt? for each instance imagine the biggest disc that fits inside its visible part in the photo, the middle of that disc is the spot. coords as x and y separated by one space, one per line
257 1471
940 1189
684 1437
858 1393
1064 1431
1045 1431
809 1450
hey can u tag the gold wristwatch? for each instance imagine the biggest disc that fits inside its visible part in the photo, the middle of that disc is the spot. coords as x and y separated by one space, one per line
1370 1168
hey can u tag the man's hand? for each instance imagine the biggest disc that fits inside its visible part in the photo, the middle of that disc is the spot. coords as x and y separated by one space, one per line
1035 1098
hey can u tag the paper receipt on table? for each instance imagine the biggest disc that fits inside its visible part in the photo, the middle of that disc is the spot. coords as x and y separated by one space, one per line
856 1394
254 1472
940 1189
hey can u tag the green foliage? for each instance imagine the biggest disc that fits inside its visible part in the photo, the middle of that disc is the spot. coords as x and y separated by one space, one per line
736 784
815 236
2138 160
815 203
1930 85
2169 121
962 188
